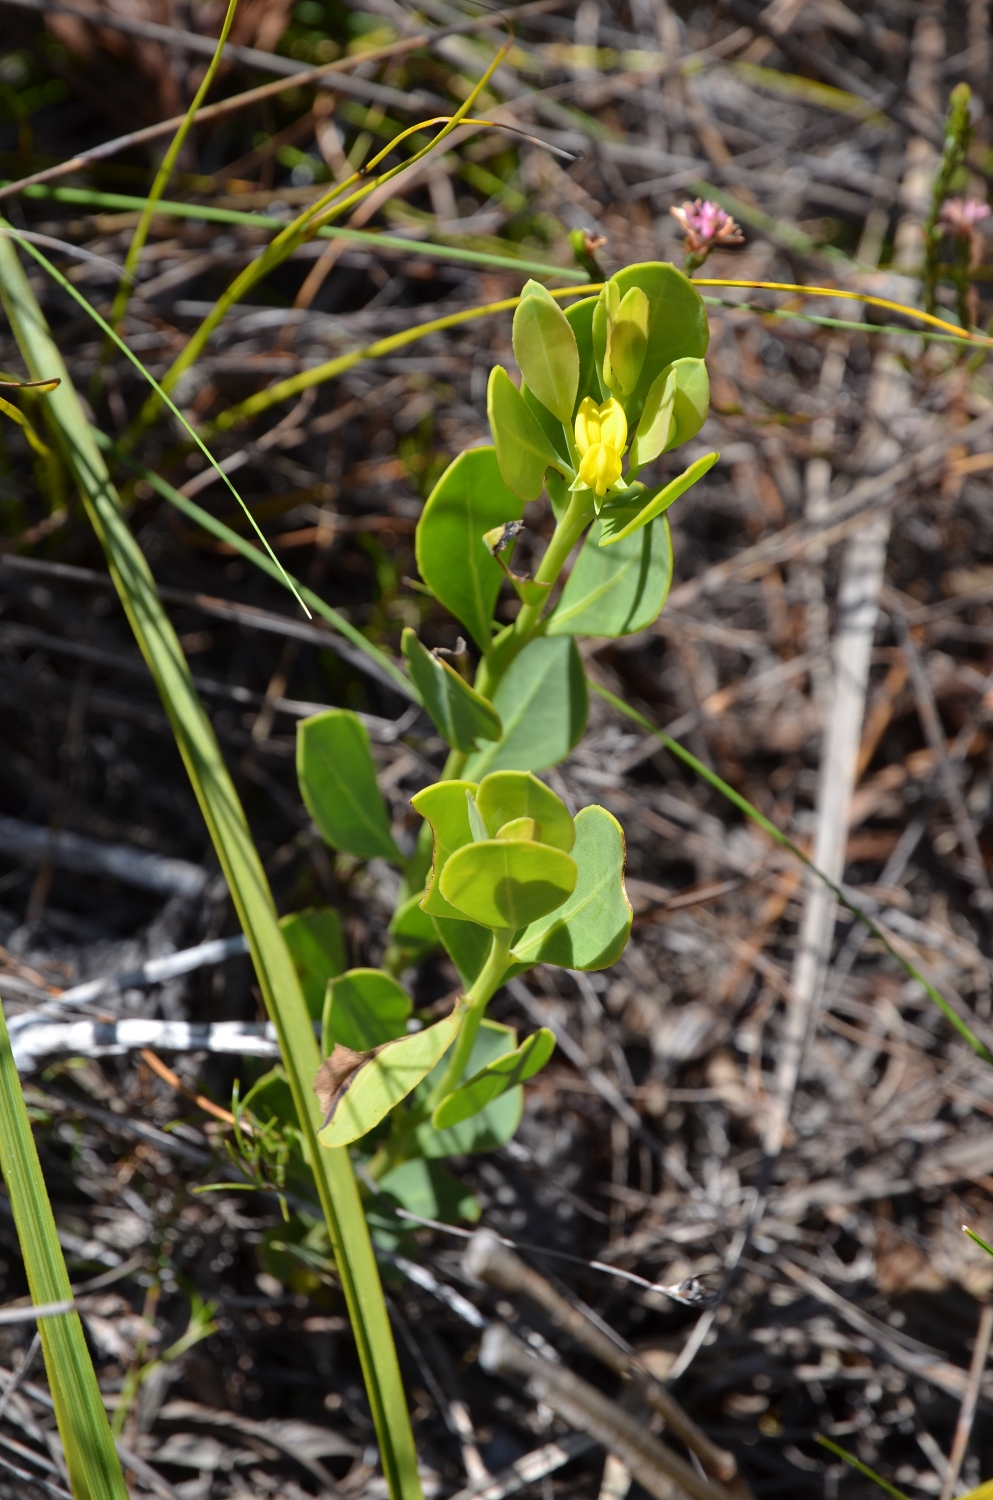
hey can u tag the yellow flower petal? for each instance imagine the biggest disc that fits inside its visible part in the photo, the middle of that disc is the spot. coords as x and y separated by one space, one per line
600 468
613 425
587 424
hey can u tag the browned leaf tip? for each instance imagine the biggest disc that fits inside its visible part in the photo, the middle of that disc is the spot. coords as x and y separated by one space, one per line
334 1075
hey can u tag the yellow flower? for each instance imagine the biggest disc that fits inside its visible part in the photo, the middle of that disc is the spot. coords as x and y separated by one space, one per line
601 437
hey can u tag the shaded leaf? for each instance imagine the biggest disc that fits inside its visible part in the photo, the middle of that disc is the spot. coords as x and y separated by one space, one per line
466 943
362 1092
617 591
338 785
445 807
495 1079
591 929
542 702
317 948
363 1009
424 1187
523 449
507 884
457 711
412 929
470 499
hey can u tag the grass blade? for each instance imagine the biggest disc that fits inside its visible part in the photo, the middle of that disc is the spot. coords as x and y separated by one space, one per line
242 867
94 1468
862 1468
785 842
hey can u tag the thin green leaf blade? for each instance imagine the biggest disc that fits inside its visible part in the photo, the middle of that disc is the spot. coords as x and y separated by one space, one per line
626 520
592 928
338 785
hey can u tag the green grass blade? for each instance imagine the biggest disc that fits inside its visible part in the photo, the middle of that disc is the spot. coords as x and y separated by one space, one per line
163 175
752 813
857 1463
262 560
115 338
94 1468
211 214
242 867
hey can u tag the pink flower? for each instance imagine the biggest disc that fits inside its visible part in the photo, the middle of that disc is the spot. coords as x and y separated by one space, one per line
959 216
706 224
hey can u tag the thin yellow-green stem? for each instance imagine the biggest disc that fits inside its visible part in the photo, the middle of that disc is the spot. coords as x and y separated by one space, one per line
871 301
94 1468
303 227
284 389
245 875
163 175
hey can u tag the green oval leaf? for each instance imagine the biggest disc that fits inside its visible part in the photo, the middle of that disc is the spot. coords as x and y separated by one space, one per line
446 808
505 796
379 1083
426 1189
493 1126
469 499
677 324
363 1009
412 929
338 785
675 409
457 711
495 1079
317 948
546 350
616 592
542 702
523 449
507 884
622 522
592 928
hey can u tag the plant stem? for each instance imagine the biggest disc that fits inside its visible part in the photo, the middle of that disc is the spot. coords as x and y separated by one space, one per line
481 992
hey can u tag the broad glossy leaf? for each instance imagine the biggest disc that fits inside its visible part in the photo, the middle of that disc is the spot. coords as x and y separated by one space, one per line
317 948
469 499
425 1188
457 711
546 351
591 929
338 785
507 884
495 1079
445 807
619 590
523 448
617 525
495 1125
380 1083
504 796
677 324
542 702
466 943
364 1008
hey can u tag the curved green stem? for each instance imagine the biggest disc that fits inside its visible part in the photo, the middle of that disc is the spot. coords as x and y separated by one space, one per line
481 992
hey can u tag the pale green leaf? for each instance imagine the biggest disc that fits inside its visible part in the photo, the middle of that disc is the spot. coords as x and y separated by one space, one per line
617 591
338 785
445 807
546 350
503 883
385 1079
625 520
523 449
542 702
505 796
469 499
495 1079
494 1125
591 929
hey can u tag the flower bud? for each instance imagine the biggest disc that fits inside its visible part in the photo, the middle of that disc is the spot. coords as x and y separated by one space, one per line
627 338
